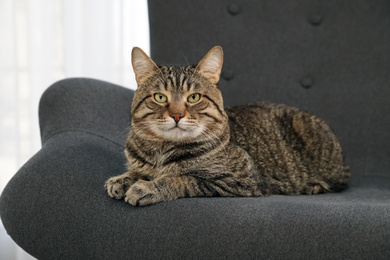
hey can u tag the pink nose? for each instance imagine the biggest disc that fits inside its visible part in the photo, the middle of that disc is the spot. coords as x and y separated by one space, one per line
176 117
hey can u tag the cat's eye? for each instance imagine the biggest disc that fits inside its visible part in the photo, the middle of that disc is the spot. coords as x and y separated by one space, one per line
194 98
160 98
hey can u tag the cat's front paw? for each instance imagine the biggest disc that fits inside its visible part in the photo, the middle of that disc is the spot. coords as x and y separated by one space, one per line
143 193
117 186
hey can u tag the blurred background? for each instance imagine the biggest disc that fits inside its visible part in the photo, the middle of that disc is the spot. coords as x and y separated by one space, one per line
43 41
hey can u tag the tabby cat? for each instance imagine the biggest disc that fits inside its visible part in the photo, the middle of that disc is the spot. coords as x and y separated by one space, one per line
184 143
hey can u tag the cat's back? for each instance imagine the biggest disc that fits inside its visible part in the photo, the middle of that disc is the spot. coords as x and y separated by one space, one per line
272 132
253 123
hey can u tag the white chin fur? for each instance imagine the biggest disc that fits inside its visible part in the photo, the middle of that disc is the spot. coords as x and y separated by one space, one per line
173 133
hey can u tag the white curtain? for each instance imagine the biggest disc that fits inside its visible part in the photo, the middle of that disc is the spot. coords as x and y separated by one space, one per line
42 41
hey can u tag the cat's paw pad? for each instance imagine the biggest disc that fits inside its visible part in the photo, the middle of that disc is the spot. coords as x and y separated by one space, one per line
143 193
116 187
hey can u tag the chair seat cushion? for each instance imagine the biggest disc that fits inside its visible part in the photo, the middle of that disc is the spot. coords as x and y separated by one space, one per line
56 207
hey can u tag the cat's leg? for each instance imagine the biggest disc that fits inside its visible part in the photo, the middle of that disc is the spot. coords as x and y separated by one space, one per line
322 153
144 193
201 184
117 186
332 178
317 188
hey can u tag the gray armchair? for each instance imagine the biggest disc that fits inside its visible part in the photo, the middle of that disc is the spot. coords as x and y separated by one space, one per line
331 58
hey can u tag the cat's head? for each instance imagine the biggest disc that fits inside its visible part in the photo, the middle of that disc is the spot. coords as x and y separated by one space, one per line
178 104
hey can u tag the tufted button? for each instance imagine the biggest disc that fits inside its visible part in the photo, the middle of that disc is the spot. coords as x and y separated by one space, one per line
228 74
307 82
234 9
315 19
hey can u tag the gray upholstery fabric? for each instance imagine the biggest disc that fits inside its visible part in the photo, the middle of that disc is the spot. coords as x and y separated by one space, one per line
337 67
55 207
91 106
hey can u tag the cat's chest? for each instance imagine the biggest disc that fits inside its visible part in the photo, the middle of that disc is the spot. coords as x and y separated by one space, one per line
153 158
161 162
160 158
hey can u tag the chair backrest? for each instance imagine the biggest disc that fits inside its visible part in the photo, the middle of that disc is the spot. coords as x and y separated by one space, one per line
329 57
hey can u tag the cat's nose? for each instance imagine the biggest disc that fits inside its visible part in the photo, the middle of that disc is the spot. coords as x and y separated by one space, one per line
176 117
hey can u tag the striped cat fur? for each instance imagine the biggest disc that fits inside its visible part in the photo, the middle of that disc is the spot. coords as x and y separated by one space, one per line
184 143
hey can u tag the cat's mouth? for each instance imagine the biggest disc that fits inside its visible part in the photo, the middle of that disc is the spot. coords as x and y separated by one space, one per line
177 129
180 132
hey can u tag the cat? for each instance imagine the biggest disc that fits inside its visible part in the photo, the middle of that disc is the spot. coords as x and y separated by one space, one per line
184 143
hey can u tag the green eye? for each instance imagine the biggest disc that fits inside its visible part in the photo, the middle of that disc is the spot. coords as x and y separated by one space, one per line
194 98
160 98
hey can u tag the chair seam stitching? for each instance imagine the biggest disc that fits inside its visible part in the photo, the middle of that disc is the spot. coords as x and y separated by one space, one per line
80 131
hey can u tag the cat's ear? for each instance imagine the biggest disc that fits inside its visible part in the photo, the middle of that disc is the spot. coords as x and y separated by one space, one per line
143 66
211 64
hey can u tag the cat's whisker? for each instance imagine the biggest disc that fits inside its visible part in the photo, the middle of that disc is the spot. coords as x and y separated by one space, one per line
188 64
125 130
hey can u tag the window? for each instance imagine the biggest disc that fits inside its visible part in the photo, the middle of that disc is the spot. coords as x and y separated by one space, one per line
43 41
